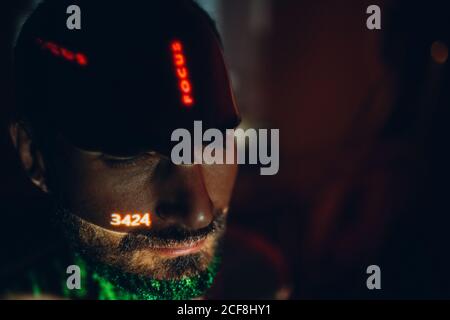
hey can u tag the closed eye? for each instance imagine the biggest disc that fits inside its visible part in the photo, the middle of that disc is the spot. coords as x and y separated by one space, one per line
124 162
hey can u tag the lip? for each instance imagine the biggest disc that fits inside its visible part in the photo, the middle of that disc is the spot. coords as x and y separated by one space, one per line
181 250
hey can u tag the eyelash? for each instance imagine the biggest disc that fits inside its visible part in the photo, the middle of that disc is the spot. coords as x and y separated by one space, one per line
125 163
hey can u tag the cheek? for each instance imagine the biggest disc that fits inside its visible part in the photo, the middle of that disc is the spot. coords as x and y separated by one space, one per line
94 193
219 183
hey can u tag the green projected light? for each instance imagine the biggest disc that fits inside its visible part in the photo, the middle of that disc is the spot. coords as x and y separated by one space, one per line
102 282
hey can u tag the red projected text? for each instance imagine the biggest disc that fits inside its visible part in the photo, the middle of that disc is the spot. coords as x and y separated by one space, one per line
182 73
63 53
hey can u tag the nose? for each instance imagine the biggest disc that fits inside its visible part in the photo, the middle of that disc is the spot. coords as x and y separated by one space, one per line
183 198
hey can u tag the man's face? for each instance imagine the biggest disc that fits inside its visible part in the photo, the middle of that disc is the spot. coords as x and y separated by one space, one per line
187 206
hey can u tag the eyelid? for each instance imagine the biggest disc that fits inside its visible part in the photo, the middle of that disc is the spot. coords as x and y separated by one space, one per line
115 161
106 156
115 158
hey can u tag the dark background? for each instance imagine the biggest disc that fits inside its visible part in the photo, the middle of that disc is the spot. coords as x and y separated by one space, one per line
363 125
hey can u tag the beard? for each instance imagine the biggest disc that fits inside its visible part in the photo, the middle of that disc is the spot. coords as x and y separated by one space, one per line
129 263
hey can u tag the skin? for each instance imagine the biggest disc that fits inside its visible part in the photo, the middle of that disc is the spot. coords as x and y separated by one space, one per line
92 185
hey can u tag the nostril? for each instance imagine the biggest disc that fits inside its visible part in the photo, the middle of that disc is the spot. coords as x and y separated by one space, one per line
166 210
192 218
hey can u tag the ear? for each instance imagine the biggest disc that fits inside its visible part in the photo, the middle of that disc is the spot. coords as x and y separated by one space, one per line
29 155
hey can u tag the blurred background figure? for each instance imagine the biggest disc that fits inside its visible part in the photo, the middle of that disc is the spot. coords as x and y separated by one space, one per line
363 125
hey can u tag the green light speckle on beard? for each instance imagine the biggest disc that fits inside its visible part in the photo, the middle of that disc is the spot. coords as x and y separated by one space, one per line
115 285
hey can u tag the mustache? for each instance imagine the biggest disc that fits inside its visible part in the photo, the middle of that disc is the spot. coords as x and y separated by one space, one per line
173 236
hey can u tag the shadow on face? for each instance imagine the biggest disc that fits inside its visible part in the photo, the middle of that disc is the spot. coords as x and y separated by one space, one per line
183 203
